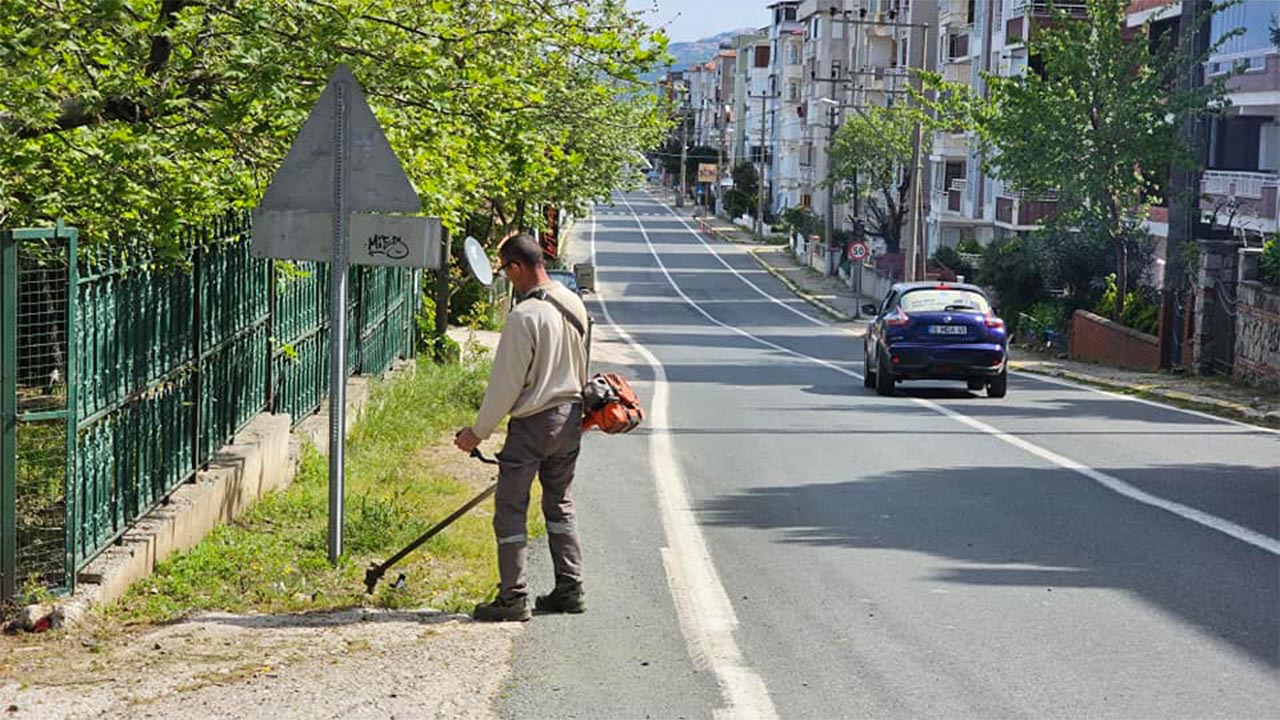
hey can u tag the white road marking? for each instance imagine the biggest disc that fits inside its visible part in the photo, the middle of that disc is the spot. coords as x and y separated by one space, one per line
706 615
1110 482
1153 403
732 269
1023 374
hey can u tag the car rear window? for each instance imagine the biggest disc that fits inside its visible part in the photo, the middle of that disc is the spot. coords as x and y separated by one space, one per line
940 299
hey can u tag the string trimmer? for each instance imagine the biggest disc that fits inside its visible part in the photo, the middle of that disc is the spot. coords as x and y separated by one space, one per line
375 571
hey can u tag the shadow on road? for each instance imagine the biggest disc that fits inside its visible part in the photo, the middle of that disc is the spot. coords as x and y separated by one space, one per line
982 518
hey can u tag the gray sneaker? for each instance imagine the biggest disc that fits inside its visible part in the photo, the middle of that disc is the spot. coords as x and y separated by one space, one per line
566 598
504 610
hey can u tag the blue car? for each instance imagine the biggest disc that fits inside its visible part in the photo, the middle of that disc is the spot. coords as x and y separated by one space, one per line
565 278
935 331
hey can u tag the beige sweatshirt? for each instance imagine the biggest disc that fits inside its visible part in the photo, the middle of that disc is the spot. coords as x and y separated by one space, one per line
541 360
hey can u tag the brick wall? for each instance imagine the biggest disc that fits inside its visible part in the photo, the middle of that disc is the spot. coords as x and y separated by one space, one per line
1097 339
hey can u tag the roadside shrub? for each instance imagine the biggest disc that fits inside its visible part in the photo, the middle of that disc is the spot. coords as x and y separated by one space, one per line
950 259
969 245
1269 265
801 220
440 348
1141 307
1011 269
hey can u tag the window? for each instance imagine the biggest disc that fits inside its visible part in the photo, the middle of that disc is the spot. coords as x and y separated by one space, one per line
793 53
1237 143
835 69
761 56
1253 17
806 200
934 300
793 91
789 14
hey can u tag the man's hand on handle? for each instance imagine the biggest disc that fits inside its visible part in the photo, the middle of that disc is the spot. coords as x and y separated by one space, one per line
466 440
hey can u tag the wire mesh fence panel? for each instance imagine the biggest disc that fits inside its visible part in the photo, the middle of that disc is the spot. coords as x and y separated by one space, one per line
42 322
41 504
153 365
40 431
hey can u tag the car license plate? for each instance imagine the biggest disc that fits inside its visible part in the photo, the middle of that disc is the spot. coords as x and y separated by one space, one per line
948 330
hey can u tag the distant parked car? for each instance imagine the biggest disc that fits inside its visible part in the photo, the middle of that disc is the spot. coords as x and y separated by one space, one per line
935 331
565 278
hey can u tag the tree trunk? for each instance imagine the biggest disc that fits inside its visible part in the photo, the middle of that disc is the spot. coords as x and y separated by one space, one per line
1122 275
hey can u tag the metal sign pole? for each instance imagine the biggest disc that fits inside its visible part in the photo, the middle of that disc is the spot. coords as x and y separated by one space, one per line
338 321
341 175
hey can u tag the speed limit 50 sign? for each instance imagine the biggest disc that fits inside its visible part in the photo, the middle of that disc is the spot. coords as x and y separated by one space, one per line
858 251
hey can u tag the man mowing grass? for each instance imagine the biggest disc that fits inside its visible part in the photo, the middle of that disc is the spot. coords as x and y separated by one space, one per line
538 372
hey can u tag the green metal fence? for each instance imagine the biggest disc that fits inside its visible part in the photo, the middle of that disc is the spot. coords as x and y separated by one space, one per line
164 362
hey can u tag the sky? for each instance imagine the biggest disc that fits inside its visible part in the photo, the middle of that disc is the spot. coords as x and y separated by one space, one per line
698 19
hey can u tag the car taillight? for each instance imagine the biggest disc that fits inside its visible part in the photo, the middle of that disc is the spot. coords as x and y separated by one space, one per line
896 319
994 322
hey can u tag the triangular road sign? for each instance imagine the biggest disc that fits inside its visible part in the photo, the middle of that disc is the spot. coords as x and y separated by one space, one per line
305 179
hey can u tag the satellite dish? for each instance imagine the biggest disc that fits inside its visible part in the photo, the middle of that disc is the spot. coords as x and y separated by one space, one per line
477 261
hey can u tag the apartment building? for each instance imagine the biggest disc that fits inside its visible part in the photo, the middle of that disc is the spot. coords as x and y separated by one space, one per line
826 95
1239 186
1241 183
786 78
723 117
955 211
750 82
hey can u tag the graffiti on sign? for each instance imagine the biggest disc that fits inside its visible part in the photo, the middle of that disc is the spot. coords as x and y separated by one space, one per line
392 246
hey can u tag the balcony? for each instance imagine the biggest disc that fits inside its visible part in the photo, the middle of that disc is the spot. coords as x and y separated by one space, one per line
1040 8
1024 210
957 72
1238 184
952 202
955 194
1250 199
958 47
950 145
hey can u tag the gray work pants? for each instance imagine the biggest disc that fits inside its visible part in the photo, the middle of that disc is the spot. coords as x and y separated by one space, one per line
546 445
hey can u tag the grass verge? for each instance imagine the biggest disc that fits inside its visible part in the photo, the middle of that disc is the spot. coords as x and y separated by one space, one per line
402 476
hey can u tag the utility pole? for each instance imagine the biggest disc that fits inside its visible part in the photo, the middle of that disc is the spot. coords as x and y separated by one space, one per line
722 112
831 190
684 157
915 249
760 198
1182 196
760 179
915 245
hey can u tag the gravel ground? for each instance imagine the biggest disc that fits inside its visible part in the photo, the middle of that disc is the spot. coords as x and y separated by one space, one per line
348 664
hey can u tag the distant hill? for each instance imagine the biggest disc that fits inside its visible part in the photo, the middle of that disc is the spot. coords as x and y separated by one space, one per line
688 53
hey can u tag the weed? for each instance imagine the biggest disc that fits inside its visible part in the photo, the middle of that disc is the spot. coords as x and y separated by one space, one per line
274 559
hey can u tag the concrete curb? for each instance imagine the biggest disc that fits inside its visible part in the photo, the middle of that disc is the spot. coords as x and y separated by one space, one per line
800 292
1214 406
261 458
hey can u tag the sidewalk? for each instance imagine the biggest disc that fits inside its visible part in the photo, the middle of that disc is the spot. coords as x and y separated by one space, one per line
1217 396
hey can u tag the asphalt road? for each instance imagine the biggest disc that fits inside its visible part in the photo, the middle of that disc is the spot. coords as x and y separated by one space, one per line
779 542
